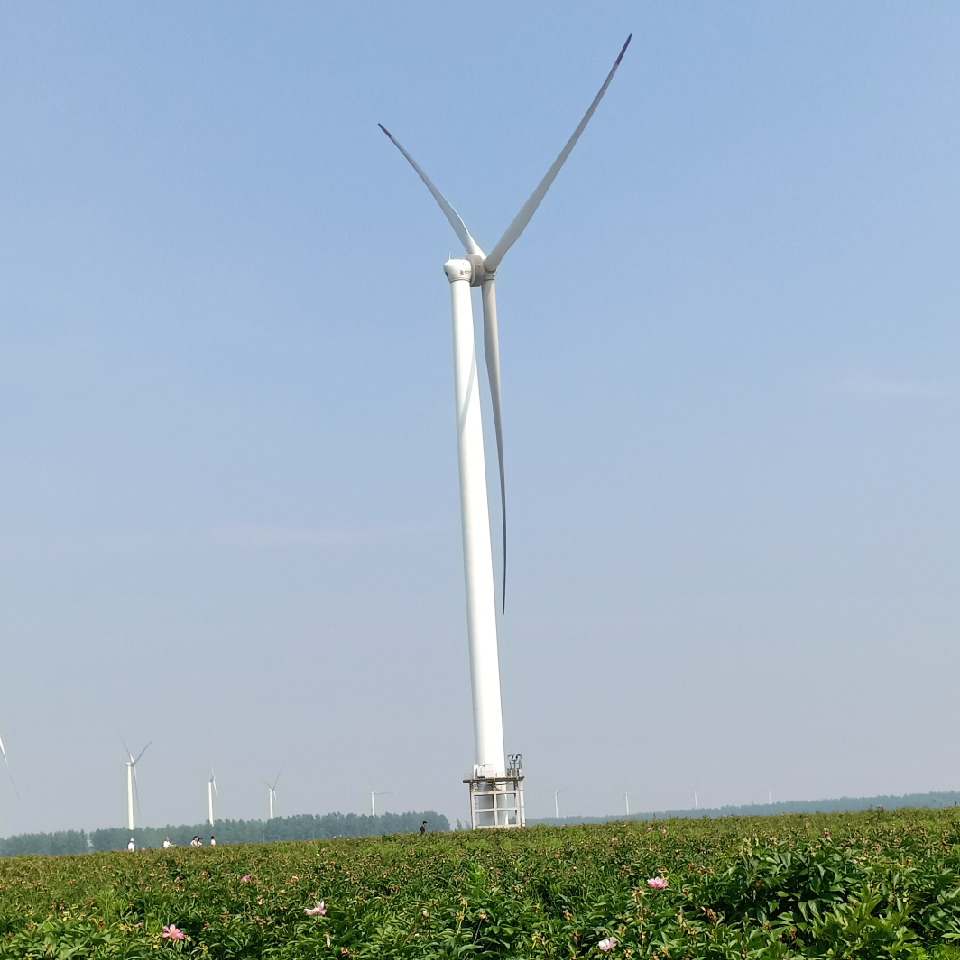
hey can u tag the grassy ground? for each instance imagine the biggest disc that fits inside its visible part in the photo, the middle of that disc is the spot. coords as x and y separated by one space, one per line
875 884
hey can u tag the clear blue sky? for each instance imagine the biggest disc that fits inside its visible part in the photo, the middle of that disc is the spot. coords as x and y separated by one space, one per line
229 516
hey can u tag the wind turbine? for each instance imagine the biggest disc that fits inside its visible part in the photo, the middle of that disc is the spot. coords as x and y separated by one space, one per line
373 800
496 797
132 782
9 774
626 800
556 800
211 790
273 791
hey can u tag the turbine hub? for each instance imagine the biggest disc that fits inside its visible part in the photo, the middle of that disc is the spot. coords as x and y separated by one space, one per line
479 269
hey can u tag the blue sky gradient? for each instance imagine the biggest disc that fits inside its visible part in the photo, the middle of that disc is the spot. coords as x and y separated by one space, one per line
229 509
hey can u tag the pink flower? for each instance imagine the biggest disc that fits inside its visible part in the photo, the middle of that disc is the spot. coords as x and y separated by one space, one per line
663 830
607 945
173 933
657 883
320 910
245 879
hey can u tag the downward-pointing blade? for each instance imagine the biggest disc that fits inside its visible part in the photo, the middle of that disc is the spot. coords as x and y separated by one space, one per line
136 792
491 349
530 207
455 220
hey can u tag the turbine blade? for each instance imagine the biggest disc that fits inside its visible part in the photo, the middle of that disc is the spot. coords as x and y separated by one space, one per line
521 220
141 753
460 228
275 782
491 348
125 747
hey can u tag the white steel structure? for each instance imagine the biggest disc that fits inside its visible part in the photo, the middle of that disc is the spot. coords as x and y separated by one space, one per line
211 790
272 787
491 776
132 782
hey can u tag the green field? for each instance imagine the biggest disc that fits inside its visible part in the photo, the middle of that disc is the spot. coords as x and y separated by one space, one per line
837 885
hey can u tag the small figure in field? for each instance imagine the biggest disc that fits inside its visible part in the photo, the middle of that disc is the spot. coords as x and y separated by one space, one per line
213 841
196 842
423 828
132 846
167 843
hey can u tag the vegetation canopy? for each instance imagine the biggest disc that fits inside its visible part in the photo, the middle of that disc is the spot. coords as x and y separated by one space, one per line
875 884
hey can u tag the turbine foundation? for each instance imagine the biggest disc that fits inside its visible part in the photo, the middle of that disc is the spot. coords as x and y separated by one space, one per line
496 802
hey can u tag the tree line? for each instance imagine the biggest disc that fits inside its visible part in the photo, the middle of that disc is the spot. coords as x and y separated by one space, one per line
301 827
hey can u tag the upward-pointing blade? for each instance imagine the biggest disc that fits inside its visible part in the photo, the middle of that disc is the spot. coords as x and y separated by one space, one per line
455 220
530 207
140 754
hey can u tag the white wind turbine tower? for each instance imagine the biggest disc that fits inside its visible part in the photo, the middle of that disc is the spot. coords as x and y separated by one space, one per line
211 790
496 786
273 791
132 782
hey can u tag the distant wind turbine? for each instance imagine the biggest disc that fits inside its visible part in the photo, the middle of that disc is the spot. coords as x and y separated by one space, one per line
132 782
272 787
373 800
626 800
556 800
211 790
9 773
491 775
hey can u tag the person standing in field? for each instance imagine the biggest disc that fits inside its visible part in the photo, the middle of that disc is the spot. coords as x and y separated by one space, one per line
167 843
423 828
132 846
213 841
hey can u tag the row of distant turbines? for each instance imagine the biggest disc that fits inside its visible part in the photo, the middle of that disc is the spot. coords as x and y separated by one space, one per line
133 795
